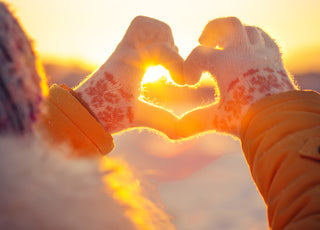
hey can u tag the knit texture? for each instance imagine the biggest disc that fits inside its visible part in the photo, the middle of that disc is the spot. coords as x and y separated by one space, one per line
112 92
64 119
247 66
20 92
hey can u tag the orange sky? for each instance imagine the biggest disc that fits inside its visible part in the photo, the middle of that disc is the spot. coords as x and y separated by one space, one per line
90 30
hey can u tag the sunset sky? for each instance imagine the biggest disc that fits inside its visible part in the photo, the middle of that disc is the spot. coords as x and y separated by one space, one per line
204 182
90 30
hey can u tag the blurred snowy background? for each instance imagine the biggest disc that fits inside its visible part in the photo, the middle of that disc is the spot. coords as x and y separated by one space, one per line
204 182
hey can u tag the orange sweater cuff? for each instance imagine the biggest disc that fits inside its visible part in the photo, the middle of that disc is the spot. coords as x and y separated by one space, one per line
66 119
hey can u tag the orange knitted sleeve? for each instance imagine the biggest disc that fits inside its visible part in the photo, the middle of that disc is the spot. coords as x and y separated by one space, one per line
65 119
280 138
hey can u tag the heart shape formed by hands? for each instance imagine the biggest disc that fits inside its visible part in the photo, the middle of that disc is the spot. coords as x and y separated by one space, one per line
158 88
246 65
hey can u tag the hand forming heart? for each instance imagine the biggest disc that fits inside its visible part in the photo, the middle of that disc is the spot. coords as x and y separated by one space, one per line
112 92
247 69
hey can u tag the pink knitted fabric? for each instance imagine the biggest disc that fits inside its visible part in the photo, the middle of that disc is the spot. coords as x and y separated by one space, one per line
112 92
20 92
247 66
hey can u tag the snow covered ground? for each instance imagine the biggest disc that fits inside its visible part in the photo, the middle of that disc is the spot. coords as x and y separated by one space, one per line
204 183
219 196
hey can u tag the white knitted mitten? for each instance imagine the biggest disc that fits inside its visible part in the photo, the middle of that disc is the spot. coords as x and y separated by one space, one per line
247 66
112 91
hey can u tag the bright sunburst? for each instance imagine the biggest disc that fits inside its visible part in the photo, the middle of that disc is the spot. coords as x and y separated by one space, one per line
154 73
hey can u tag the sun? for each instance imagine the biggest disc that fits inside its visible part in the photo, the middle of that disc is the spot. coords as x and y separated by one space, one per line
154 73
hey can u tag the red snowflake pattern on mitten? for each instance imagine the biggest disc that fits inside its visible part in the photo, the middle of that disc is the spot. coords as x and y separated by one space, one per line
246 90
112 92
247 67
110 102
103 90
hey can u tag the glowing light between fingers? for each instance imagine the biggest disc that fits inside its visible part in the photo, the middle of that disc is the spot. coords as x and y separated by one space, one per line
154 73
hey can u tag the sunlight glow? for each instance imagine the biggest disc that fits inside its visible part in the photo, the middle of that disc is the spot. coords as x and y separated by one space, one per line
180 99
120 179
72 35
43 84
154 73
